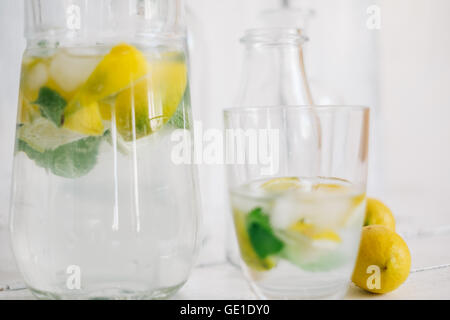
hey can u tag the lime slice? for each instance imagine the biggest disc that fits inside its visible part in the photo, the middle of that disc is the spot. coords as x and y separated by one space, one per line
42 135
281 184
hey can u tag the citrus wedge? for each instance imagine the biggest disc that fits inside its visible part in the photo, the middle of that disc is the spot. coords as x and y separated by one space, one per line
152 101
121 67
314 233
281 184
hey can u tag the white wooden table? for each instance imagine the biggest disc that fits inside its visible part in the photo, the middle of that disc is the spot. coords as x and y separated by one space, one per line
223 281
422 220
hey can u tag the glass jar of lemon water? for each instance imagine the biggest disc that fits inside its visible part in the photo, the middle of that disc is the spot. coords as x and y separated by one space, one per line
99 209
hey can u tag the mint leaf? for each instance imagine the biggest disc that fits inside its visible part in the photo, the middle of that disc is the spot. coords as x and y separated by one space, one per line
75 159
71 160
51 105
42 159
180 118
261 235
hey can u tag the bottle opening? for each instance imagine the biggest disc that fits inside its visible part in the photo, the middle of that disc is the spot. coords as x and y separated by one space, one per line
274 36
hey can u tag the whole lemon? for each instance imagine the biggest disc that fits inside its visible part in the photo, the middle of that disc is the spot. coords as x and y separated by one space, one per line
384 260
378 213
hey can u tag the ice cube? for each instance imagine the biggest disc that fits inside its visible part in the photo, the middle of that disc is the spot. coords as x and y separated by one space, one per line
286 211
70 71
321 209
37 76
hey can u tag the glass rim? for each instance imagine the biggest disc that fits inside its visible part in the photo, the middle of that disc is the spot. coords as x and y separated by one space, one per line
305 11
73 21
273 35
320 108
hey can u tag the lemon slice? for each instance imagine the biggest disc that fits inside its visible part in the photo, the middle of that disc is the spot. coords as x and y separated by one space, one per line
121 67
281 184
106 110
330 187
132 111
27 111
42 135
86 120
151 102
248 254
314 233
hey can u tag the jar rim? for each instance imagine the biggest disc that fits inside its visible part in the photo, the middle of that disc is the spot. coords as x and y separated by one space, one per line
273 36
78 19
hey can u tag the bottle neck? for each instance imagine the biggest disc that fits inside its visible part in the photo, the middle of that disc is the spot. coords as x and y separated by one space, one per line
274 75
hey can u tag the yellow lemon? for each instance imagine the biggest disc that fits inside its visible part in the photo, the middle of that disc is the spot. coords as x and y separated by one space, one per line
314 233
248 254
86 120
168 81
329 187
121 67
106 110
379 213
281 184
384 260
148 104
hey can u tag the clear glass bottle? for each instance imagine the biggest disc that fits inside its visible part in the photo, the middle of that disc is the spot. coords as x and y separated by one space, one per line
100 207
273 75
273 70
299 15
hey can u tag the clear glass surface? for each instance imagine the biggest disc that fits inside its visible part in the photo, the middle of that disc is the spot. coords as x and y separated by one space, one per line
297 194
273 74
99 207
